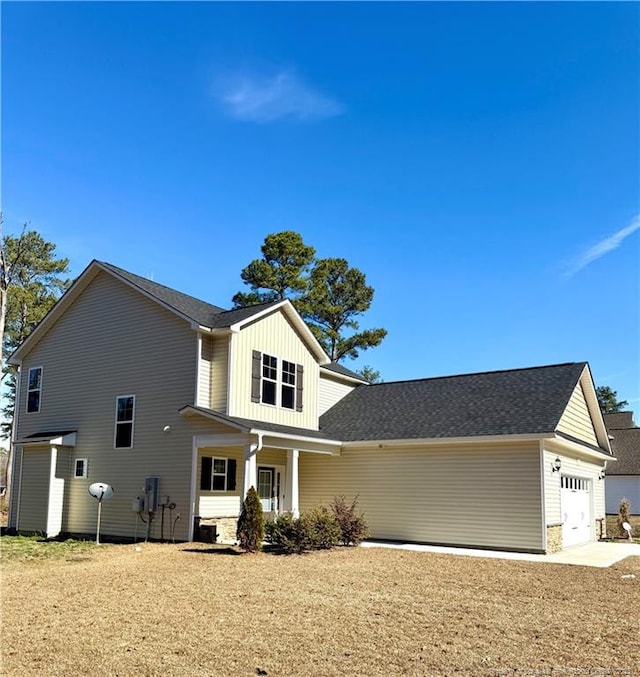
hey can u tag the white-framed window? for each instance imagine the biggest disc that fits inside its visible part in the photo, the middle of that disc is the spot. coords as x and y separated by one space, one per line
34 390
218 474
288 385
269 379
276 382
81 467
125 416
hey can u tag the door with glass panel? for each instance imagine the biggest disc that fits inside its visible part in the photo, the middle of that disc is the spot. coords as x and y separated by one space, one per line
266 488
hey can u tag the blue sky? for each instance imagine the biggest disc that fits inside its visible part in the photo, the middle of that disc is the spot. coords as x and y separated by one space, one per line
479 162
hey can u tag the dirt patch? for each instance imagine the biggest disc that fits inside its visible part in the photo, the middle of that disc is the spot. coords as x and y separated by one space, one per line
185 610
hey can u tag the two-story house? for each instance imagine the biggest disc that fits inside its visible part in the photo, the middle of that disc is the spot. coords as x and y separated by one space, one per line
184 405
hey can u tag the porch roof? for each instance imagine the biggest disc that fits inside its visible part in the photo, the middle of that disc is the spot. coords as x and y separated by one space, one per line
246 425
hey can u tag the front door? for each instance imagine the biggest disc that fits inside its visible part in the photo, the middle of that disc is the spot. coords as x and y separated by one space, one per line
266 489
576 513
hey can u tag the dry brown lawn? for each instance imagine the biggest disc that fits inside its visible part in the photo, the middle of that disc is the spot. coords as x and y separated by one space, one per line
184 610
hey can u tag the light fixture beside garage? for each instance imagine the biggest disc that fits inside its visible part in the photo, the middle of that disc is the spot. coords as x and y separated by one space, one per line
556 465
601 475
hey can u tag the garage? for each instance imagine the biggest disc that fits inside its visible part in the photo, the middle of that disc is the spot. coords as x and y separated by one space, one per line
576 510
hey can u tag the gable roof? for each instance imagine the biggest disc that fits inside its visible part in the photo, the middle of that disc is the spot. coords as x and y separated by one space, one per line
515 402
200 313
625 443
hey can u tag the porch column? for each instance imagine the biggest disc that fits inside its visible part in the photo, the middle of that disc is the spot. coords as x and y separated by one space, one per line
250 468
292 502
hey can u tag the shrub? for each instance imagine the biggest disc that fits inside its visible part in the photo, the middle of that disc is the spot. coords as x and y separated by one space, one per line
282 532
313 530
353 527
624 510
320 529
250 532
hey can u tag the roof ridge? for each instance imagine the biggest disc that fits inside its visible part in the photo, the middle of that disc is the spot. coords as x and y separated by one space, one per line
119 270
481 373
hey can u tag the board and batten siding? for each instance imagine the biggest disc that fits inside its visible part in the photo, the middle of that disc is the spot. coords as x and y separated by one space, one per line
576 420
114 341
331 391
213 372
205 366
34 497
483 496
275 336
573 467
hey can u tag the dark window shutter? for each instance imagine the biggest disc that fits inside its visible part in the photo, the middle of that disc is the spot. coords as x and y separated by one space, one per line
231 474
205 473
256 372
299 373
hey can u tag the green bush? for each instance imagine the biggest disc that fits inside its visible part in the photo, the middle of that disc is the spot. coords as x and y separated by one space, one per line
321 529
353 527
282 532
250 532
316 529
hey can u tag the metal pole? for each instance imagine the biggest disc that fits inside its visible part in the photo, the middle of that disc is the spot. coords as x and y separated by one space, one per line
98 528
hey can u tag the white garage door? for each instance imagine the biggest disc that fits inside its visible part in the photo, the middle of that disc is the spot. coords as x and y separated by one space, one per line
576 511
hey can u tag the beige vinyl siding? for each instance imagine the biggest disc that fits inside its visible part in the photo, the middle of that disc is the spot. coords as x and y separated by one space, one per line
576 420
205 362
34 497
220 503
114 341
488 497
574 467
275 336
331 391
219 374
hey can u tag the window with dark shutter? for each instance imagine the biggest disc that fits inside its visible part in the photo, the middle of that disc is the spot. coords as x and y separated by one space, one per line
256 374
299 373
231 474
205 473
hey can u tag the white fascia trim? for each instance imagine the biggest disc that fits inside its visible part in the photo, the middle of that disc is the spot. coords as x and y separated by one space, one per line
575 447
543 502
301 325
295 438
589 391
62 441
438 441
324 371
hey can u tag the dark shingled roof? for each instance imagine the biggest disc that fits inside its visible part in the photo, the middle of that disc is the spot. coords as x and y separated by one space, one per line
199 311
519 401
339 369
621 419
265 426
625 444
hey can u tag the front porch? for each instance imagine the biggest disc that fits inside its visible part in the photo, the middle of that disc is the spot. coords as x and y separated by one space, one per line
225 466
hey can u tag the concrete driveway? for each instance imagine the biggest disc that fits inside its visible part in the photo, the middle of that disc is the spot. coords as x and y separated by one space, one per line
599 554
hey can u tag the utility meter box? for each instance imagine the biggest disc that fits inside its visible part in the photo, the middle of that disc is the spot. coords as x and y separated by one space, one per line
151 492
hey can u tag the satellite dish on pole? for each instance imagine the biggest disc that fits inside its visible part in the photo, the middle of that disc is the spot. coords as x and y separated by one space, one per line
100 491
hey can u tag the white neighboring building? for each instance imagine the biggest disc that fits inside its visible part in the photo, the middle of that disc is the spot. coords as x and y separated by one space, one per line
623 475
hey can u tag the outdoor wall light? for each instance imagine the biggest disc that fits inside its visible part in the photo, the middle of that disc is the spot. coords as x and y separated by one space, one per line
601 475
556 465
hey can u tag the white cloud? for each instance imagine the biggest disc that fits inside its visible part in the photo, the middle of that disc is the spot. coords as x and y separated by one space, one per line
603 247
266 99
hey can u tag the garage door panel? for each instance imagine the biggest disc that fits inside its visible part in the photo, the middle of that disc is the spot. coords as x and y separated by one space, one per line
575 499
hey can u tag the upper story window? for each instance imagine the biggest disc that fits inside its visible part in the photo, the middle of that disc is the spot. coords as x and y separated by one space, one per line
34 389
125 414
276 381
